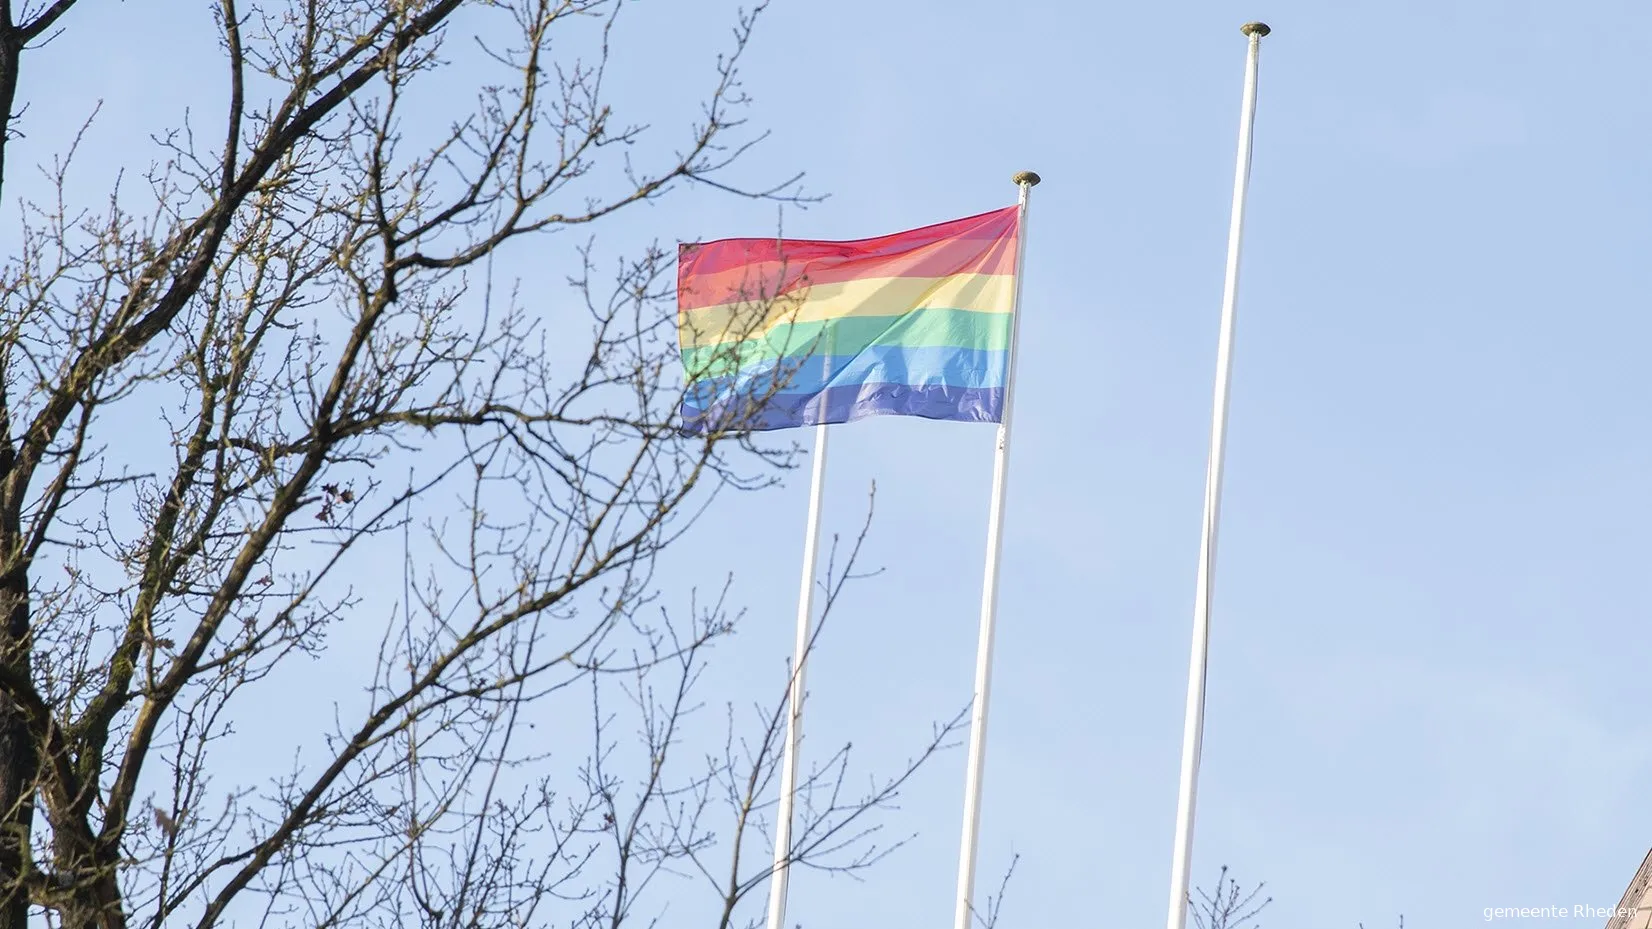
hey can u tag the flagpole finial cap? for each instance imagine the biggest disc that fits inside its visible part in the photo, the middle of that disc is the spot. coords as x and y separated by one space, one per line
1256 30
1028 178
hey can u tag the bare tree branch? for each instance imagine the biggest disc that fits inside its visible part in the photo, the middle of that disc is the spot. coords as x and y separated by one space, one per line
206 376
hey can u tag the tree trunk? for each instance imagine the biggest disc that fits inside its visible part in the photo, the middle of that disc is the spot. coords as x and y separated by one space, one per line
19 758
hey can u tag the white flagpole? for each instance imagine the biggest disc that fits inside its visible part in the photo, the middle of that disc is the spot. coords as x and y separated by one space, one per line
794 700
989 592
1194 728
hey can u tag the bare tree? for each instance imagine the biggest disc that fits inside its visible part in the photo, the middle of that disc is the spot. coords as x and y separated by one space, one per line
1228 906
232 392
988 914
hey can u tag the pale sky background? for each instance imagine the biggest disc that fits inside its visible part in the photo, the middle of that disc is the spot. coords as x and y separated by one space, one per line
1428 689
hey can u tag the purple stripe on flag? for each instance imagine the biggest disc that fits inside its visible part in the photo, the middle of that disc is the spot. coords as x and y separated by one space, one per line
850 402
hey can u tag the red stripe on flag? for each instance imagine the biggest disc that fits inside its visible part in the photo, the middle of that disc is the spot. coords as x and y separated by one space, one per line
738 270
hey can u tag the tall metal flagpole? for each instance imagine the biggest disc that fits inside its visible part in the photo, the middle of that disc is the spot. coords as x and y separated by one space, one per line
794 700
989 592
1194 730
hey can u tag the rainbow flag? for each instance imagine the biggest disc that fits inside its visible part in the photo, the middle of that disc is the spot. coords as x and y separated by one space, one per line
778 333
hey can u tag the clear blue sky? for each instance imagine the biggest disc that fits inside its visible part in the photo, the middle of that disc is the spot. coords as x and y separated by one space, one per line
1427 688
